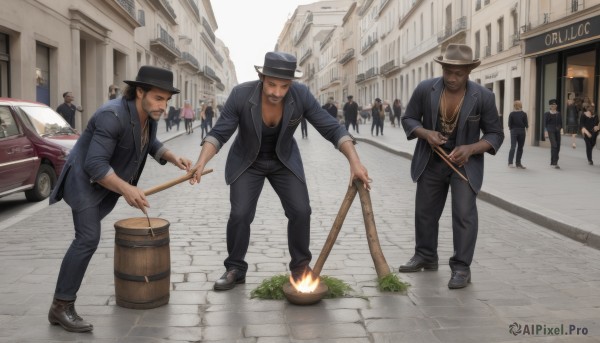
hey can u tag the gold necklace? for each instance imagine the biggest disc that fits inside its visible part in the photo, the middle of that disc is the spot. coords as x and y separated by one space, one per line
448 123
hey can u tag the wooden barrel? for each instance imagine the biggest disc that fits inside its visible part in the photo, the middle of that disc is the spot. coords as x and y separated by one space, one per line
142 263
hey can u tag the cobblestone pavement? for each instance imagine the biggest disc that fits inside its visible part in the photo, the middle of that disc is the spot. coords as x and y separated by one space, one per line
523 274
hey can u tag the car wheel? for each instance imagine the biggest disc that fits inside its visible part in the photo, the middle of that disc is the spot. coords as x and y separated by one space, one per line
44 182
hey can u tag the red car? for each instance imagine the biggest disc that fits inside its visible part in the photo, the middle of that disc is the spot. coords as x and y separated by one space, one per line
34 144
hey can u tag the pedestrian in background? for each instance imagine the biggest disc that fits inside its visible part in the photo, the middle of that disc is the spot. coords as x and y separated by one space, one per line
350 110
397 108
460 117
266 113
377 115
517 124
67 108
106 163
553 126
588 123
209 113
331 108
187 113
573 112
173 116
113 92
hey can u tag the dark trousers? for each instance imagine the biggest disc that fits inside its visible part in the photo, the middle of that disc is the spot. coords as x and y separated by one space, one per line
168 122
517 140
590 143
304 127
79 254
244 193
432 190
554 137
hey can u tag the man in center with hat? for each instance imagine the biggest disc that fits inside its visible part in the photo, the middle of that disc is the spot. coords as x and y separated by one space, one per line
106 163
266 113
460 117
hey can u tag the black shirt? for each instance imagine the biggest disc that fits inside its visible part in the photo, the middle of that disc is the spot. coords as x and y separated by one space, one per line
67 111
517 120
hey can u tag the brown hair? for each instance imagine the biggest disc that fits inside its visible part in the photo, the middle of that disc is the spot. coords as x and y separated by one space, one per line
129 92
518 105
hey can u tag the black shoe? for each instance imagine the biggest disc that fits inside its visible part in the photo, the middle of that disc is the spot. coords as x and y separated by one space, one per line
228 281
459 279
415 264
63 313
520 166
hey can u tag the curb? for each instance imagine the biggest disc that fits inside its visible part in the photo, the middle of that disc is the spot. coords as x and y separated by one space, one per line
586 237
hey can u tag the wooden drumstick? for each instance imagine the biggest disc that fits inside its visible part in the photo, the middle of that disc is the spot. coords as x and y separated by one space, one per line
446 159
174 182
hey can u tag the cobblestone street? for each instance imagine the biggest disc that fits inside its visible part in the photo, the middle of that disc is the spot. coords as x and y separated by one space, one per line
523 274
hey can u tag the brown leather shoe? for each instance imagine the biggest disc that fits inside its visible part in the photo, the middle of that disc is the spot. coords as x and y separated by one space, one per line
230 279
63 313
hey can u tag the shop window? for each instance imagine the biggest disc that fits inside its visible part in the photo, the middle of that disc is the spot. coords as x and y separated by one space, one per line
42 72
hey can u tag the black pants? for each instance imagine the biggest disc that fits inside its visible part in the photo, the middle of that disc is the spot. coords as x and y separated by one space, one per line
432 190
590 143
517 140
554 137
304 127
79 254
244 194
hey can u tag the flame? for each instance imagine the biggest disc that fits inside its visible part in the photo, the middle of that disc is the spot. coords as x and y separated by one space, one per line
307 284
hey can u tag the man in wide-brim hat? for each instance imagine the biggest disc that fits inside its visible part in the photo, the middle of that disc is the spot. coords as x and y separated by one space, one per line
106 163
265 114
454 117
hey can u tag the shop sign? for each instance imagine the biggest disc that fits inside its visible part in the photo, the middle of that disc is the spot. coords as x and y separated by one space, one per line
564 36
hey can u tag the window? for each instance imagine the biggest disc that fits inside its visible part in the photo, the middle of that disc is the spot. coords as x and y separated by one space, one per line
4 66
42 72
8 125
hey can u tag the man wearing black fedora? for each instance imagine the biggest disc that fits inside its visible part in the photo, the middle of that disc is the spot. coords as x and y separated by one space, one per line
106 163
266 113
459 117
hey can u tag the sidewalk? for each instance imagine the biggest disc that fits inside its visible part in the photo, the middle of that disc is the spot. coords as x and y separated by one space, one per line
566 200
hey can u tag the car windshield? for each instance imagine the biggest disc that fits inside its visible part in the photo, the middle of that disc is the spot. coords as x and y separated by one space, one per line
47 122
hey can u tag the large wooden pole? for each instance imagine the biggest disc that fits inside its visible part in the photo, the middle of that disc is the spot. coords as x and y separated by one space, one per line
335 229
381 266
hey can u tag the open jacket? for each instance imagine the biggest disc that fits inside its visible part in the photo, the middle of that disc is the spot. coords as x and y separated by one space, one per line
243 112
110 143
478 115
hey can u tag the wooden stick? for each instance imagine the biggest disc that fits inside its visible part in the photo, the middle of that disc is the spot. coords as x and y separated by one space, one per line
446 159
174 182
381 266
335 229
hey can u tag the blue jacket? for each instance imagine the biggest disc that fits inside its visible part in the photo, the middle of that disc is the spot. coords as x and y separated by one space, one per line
478 114
242 111
111 142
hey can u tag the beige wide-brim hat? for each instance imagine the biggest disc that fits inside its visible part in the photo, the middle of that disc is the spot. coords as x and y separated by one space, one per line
458 55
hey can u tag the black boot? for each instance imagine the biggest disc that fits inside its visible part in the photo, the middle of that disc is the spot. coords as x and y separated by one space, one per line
63 313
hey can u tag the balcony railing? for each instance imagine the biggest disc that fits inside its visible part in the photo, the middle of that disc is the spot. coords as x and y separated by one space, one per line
389 67
128 6
515 39
347 56
209 72
208 29
371 73
194 7
220 86
459 25
364 8
305 56
187 58
368 44
165 44
304 29
165 7
360 77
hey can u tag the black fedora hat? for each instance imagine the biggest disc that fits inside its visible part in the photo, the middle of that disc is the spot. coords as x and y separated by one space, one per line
280 65
154 77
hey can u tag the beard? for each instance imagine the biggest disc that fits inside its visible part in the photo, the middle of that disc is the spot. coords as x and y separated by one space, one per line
154 114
